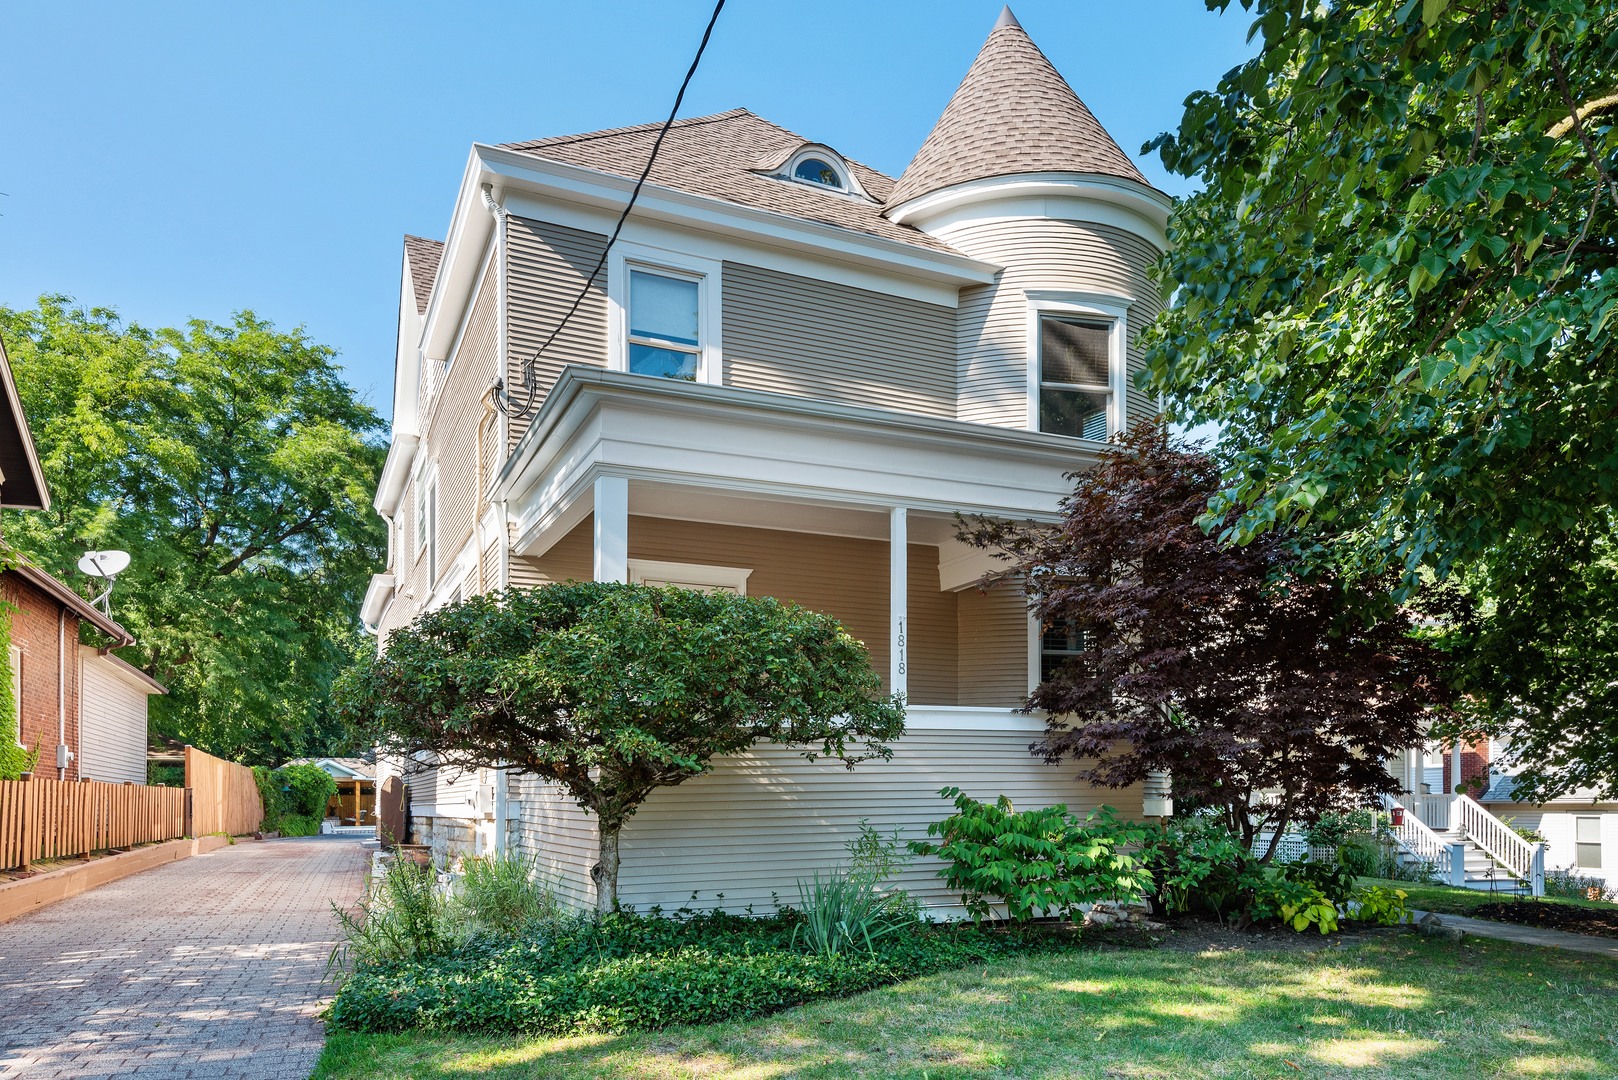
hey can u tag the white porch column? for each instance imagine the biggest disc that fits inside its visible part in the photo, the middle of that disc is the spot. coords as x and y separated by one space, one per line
1454 767
612 528
898 600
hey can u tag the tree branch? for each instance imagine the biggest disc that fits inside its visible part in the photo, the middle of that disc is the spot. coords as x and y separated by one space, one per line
1578 124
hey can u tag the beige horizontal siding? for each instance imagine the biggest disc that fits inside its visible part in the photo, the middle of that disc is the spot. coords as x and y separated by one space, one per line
761 821
548 824
796 335
1040 253
993 646
547 267
572 558
454 428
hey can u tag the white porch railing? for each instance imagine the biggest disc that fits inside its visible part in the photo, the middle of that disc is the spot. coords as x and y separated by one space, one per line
1415 837
1522 858
1433 810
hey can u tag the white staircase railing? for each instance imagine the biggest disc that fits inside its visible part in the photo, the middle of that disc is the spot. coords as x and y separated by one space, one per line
1497 840
1416 838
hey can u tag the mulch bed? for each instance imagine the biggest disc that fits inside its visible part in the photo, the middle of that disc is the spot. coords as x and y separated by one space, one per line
1578 920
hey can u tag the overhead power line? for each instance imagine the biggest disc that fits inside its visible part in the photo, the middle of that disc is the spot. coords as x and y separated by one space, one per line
530 381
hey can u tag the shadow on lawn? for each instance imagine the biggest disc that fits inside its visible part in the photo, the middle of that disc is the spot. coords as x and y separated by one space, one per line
1398 1006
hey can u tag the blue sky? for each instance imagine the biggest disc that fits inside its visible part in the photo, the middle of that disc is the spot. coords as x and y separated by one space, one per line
192 159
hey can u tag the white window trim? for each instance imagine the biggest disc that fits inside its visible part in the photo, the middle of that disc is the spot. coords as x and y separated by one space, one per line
724 577
1108 306
822 152
707 273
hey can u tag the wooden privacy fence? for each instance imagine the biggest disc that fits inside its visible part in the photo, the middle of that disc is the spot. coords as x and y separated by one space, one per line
224 795
53 819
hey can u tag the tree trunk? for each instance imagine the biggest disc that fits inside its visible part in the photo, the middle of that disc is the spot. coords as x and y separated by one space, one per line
605 872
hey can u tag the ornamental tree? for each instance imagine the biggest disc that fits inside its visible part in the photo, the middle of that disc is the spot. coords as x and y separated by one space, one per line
1397 294
614 690
1270 696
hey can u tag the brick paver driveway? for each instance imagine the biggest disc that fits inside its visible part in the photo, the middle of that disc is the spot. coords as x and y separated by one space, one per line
207 967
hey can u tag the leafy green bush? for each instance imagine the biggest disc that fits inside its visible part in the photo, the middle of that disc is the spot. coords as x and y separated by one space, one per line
1046 860
405 916
305 789
1298 904
1382 906
298 825
1572 885
503 894
1333 828
1334 880
624 972
160 774
1197 864
1364 854
269 795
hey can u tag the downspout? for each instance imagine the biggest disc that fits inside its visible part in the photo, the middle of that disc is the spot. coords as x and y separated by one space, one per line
61 694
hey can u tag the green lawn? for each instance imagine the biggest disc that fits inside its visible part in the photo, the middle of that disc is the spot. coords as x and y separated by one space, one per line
1446 898
1393 1005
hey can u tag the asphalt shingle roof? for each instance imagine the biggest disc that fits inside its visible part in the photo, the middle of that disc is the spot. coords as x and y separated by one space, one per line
728 156
1013 113
423 256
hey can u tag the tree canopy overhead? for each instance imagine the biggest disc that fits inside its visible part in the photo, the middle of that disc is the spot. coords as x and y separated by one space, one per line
1269 694
236 467
1398 295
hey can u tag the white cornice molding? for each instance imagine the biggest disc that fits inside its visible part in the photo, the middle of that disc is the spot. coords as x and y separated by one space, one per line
1124 204
395 471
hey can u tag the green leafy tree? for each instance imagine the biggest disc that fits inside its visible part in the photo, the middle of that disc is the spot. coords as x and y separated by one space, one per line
1396 295
613 691
236 467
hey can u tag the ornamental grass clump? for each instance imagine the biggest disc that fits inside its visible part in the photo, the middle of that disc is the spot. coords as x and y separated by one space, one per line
504 894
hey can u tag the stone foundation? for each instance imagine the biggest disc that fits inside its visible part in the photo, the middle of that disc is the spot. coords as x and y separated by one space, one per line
447 837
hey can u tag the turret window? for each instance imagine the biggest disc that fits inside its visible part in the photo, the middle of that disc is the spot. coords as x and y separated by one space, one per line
1076 379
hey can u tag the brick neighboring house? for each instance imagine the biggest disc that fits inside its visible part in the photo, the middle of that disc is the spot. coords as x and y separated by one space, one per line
82 708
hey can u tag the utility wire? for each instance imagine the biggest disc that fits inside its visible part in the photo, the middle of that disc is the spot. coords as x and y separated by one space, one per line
530 384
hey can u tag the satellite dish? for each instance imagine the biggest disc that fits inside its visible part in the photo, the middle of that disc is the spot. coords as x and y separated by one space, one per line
107 565
104 564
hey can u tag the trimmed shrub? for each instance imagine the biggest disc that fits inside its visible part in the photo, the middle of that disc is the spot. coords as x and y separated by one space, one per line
305 790
1047 860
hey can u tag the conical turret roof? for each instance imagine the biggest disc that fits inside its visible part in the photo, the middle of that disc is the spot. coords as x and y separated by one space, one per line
1013 113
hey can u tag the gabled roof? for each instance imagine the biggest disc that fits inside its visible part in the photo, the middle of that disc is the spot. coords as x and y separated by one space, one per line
422 256
23 484
1013 113
353 768
727 156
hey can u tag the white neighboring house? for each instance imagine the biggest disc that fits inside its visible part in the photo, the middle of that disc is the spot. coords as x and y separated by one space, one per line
791 374
1580 831
112 717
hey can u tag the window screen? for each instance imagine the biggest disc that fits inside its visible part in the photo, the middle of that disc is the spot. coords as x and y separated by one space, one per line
664 338
1075 388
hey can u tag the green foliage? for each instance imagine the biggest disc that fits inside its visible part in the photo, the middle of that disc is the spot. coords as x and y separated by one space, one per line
299 824
270 796
1296 903
1366 855
1047 860
1572 885
849 908
504 894
1395 293
1533 836
305 790
1335 827
404 917
622 972
159 774
237 468
613 690
1382 906
1198 865
14 760
1334 881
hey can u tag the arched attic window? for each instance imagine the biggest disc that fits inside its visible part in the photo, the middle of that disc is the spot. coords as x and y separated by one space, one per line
819 166
813 170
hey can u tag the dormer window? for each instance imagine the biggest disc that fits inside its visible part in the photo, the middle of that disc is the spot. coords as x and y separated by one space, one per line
816 171
816 165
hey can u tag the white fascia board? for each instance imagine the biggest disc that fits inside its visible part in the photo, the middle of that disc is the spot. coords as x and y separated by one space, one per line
597 423
407 358
1108 200
395 471
574 183
377 595
469 230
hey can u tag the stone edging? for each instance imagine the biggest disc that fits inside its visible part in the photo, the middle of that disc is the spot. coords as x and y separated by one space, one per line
31 894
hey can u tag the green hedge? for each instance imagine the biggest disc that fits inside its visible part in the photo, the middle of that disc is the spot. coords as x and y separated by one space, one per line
625 973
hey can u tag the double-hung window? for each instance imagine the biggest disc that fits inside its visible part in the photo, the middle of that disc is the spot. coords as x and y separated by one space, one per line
1059 643
665 324
1075 376
426 539
1587 843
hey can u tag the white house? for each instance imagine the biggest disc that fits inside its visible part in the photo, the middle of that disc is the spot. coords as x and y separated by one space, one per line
791 374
